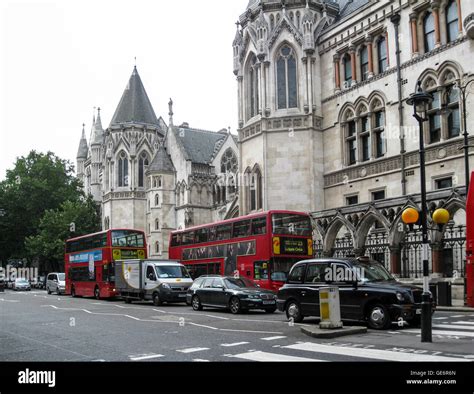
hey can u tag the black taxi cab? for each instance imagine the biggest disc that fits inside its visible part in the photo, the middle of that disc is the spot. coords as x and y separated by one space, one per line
367 292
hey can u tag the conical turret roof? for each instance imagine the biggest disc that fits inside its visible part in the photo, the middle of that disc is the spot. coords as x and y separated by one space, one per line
161 162
134 106
83 147
97 130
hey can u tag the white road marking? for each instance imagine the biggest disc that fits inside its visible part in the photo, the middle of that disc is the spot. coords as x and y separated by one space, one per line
394 332
440 318
234 344
193 350
456 326
456 316
200 360
217 317
368 353
469 323
145 357
250 331
265 356
203 326
272 338
98 361
441 332
2 299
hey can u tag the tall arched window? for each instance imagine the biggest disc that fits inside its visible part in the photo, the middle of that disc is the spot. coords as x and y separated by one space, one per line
157 200
364 63
259 194
286 79
346 60
382 54
157 247
429 32
123 170
452 21
253 87
142 164
157 224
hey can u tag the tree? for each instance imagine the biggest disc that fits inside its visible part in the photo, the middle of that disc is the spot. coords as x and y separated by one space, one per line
70 220
37 183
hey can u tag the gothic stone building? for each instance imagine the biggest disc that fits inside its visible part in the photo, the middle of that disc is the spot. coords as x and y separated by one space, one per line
156 177
322 89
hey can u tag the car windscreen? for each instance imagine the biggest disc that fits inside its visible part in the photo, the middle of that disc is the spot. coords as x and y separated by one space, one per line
373 272
62 276
171 272
22 281
239 283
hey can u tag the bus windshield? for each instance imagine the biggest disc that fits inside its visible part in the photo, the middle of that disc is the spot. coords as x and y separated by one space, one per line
291 224
127 239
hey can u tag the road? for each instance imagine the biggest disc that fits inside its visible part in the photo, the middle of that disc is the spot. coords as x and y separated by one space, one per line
35 326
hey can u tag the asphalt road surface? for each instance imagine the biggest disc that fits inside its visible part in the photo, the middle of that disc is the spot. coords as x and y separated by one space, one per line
35 326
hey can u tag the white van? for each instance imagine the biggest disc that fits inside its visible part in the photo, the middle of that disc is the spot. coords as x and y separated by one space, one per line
156 280
56 283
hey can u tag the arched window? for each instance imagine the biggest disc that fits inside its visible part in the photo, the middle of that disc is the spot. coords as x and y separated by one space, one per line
252 87
379 133
272 22
142 164
259 196
364 63
382 54
452 21
157 247
229 162
286 79
346 60
429 32
123 170
157 224
157 200
298 19
351 142
454 116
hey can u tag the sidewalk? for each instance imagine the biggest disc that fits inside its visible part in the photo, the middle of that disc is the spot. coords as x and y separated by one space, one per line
455 309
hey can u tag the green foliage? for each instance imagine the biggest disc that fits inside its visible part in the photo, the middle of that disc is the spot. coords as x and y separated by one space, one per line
38 184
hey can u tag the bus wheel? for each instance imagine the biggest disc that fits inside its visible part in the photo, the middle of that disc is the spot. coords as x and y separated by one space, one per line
73 292
97 293
235 305
293 312
196 303
156 300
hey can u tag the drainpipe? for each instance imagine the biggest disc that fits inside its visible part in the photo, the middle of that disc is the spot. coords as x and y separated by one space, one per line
395 19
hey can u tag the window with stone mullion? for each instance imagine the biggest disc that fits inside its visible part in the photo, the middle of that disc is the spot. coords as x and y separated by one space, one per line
429 32
379 134
434 119
351 142
364 138
287 90
452 21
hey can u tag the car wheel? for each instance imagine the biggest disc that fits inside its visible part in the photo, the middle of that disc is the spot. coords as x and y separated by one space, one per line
157 300
97 293
57 291
196 303
48 290
378 317
73 292
271 310
293 311
235 306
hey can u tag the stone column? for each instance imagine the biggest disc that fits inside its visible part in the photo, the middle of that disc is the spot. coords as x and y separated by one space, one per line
240 103
306 83
458 2
370 50
395 260
387 48
337 71
353 64
437 258
435 7
262 87
414 34
310 85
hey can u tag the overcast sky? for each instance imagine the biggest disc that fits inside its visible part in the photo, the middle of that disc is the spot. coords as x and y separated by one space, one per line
59 59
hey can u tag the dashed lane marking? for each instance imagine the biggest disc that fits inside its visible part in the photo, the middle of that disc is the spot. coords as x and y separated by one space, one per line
273 338
269 357
234 344
193 350
468 323
440 318
4 300
142 357
200 360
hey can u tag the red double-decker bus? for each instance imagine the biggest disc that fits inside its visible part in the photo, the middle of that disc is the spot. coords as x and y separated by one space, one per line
261 246
470 244
89 260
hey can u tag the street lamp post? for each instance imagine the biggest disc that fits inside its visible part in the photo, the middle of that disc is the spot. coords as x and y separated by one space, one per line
420 102
464 93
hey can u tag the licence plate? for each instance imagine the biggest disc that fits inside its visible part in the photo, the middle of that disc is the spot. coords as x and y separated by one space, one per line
181 295
268 302
418 312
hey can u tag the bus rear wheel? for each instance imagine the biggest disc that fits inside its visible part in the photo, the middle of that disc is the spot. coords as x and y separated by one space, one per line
73 292
97 293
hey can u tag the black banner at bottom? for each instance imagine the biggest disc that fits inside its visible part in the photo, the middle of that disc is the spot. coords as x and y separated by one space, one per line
237 377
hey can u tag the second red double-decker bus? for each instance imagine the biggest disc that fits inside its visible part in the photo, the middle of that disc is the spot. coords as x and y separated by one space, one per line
89 260
261 246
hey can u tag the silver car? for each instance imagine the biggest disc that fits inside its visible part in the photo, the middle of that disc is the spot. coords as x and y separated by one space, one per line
56 283
21 284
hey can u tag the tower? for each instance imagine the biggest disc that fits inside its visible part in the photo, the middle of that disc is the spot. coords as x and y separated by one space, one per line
97 140
82 156
279 89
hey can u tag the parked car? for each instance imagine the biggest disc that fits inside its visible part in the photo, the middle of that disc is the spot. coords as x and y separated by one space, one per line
21 284
9 284
40 282
56 283
367 292
236 294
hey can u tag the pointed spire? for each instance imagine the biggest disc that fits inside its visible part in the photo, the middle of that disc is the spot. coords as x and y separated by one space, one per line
161 163
170 105
97 131
83 147
134 106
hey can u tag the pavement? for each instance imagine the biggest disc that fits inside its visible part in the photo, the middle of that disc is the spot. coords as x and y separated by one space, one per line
35 326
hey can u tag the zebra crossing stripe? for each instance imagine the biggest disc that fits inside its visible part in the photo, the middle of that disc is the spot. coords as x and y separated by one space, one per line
270 357
443 332
468 323
375 354
145 357
455 326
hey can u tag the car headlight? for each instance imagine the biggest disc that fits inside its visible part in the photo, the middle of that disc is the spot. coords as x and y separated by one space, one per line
400 296
166 286
253 297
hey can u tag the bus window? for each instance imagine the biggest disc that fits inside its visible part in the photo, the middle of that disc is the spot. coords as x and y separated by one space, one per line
290 224
260 270
188 238
202 235
212 234
242 229
224 232
259 226
176 240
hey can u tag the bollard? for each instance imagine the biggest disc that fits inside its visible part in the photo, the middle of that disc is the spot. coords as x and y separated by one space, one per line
329 308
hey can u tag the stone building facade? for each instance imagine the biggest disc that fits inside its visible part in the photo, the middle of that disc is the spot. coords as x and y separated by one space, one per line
322 89
157 177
